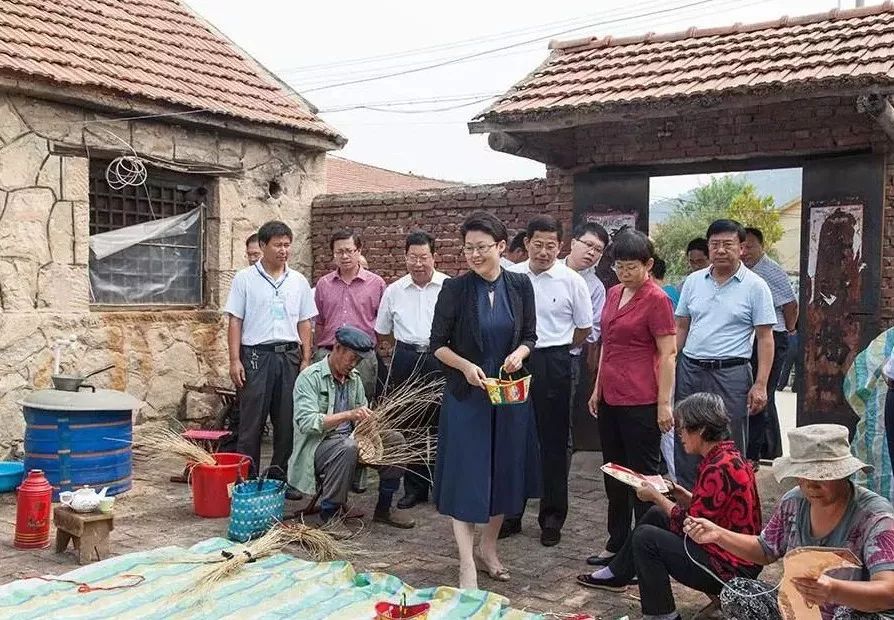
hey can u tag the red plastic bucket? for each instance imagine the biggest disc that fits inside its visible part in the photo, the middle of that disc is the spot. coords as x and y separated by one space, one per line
212 485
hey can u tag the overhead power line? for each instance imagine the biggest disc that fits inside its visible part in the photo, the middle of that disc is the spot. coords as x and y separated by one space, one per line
542 27
451 61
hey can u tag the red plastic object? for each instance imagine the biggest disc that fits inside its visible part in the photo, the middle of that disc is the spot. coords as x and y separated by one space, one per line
33 504
212 485
204 435
396 611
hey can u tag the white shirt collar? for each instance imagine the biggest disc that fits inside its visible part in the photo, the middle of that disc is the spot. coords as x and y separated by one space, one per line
437 279
260 267
551 272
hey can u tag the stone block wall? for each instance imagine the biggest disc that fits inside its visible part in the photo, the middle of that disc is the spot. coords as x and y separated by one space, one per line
384 219
44 285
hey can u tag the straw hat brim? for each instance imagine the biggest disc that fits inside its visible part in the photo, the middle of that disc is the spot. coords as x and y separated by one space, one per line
784 468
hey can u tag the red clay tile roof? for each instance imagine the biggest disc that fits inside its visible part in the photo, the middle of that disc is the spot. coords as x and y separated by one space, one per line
839 47
344 176
156 50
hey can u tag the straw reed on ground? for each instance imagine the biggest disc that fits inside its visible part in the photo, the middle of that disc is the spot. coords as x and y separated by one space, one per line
405 410
319 543
163 442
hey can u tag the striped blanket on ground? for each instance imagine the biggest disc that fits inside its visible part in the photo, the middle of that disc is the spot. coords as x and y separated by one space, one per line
865 390
279 586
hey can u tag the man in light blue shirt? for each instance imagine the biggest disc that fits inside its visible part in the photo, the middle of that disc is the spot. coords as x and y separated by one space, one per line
722 310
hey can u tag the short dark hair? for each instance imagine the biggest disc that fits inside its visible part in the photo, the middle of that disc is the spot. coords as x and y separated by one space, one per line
518 241
544 223
341 235
700 244
756 233
591 228
271 229
659 268
718 227
632 244
252 238
420 237
703 412
485 222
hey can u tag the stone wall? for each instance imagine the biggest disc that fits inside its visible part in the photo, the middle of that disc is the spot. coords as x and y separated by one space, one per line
384 219
44 216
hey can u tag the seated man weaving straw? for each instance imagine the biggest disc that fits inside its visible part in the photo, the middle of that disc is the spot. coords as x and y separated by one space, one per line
329 400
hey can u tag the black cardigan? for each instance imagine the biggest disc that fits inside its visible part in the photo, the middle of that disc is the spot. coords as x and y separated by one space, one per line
455 323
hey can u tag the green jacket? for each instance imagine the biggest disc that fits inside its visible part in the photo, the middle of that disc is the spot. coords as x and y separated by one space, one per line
313 398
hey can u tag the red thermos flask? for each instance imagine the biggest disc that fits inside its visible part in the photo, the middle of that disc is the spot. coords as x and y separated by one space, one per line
33 505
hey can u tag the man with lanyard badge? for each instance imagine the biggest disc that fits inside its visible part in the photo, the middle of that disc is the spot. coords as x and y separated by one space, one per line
407 309
269 339
564 321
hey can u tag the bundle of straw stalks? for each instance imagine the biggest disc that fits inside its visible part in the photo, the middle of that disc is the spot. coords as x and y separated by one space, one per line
163 442
320 545
405 410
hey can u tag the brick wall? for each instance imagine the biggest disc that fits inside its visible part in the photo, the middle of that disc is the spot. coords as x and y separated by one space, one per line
794 129
384 219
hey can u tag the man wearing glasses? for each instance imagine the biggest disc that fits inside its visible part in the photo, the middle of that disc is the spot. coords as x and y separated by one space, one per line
350 295
404 320
721 309
564 321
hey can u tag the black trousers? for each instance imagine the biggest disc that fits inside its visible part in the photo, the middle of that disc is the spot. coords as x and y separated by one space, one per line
269 382
406 363
551 396
630 437
655 554
789 364
764 437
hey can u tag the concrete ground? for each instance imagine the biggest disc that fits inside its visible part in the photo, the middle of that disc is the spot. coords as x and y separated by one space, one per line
157 512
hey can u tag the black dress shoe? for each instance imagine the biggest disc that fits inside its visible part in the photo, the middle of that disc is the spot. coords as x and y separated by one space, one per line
294 494
550 536
510 527
409 500
600 560
612 585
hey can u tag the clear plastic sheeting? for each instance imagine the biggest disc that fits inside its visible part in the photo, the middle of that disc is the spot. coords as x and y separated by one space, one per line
155 263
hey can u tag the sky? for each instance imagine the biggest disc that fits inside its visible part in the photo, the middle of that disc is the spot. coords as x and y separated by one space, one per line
316 46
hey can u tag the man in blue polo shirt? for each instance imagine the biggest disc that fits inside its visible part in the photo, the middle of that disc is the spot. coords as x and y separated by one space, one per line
722 310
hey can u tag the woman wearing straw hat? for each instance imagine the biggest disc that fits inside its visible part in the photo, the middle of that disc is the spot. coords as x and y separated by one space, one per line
826 509
488 461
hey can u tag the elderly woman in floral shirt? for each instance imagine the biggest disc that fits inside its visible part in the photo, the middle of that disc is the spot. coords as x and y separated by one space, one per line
825 510
724 492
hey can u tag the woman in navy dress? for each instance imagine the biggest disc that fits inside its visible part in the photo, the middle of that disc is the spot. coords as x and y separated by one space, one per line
488 458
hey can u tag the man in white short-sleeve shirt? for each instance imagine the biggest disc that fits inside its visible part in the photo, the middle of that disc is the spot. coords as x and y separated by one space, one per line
564 321
404 320
269 339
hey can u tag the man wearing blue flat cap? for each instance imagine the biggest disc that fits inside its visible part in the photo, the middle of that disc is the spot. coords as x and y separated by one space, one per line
328 400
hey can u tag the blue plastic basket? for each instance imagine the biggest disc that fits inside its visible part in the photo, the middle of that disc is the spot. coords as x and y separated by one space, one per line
256 506
11 474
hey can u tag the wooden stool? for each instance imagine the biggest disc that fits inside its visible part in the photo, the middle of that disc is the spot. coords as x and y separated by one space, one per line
88 531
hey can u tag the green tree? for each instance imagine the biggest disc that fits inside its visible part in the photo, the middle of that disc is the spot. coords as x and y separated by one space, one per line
723 197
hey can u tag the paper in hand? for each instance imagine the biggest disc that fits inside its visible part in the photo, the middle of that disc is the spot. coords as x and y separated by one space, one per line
632 478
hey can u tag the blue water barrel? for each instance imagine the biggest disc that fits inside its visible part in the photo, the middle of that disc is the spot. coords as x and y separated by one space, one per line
80 438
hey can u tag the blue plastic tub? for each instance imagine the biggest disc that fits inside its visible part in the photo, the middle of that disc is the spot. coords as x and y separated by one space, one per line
11 473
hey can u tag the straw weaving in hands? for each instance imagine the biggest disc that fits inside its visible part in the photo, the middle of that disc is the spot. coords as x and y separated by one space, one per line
397 432
808 562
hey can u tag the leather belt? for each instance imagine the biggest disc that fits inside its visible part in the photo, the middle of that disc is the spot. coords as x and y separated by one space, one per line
415 348
721 363
274 347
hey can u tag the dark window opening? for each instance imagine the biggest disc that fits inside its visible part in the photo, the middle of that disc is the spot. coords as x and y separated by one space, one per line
147 240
